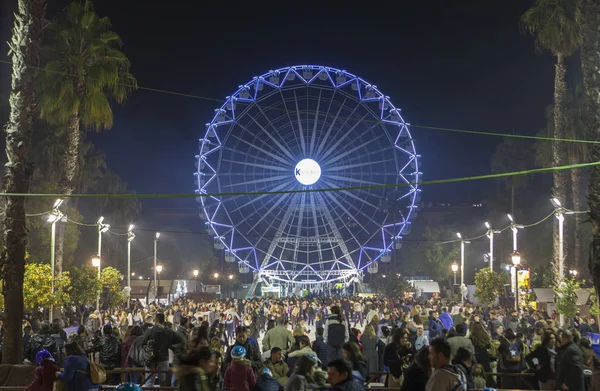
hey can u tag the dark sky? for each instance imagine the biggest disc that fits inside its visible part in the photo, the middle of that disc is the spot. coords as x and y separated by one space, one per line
454 64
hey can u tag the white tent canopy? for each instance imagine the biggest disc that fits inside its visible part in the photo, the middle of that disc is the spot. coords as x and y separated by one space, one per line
425 286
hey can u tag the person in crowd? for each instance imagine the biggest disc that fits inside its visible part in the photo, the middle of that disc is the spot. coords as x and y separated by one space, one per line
239 375
194 371
460 341
109 348
41 341
479 377
569 364
352 353
303 375
251 349
421 339
435 326
339 373
278 337
543 361
418 373
279 368
446 319
266 381
463 360
320 347
303 349
128 356
76 373
44 375
336 333
397 357
445 377
510 358
369 342
157 340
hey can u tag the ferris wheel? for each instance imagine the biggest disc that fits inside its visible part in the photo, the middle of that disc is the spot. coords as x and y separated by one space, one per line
290 174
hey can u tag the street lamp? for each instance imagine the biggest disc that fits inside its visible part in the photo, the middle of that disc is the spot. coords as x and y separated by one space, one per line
462 267
102 228
573 273
96 263
516 260
231 276
130 237
216 275
54 216
490 235
454 270
159 270
156 236
196 272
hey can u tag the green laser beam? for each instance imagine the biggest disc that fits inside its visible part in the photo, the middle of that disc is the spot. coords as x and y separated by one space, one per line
437 128
332 189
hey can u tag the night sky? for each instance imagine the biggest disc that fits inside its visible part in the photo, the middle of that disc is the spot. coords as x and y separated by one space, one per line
452 64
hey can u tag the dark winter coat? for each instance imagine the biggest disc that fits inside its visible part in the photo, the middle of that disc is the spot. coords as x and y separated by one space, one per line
320 347
266 382
39 342
110 351
569 367
415 378
44 377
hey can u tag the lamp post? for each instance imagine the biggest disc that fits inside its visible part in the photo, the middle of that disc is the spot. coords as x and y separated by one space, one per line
216 275
159 270
156 236
490 235
454 270
54 216
96 263
462 267
130 237
101 229
196 272
516 260
573 273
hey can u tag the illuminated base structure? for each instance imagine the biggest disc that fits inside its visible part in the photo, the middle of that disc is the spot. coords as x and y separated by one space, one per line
307 177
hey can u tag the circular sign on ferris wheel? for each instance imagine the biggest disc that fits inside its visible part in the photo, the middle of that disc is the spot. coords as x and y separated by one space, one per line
307 172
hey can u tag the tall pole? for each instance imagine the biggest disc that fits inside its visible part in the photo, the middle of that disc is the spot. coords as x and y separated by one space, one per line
99 265
52 255
561 255
462 272
130 236
155 273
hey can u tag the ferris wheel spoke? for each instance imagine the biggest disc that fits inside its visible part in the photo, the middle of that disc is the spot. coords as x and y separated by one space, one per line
283 149
267 162
288 111
316 121
365 164
329 129
282 187
264 151
345 210
265 166
350 180
349 194
300 128
256 181
268 212
350 151
346 134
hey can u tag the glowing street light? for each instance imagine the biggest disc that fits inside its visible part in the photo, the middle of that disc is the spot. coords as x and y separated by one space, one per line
230 276
490 235
516 260
196 272
156 236
96 263
454 270
216 275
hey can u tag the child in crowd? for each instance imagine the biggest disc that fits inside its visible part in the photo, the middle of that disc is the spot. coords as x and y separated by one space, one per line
239 375
478 377
45 373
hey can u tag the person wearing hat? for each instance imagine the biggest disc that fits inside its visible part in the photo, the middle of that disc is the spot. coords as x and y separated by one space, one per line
266 381
239 375
45 374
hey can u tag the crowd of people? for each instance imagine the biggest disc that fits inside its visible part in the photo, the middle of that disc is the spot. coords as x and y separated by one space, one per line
297 343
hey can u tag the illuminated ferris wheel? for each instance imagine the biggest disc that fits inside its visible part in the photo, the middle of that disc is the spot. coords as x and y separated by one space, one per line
307 128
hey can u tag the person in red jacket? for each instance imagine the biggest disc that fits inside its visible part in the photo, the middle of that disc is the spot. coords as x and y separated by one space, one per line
45 374
239 375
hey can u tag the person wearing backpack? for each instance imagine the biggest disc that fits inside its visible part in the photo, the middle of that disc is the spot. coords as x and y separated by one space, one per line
335 334
511 360
156 342
445 377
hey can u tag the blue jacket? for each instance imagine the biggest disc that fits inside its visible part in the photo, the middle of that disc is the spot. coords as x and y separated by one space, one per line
267 382
446 320
76 374
435 328
320 347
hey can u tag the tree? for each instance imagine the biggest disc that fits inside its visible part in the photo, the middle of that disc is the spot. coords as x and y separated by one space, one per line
566 297
554 25
25 55
85 69
37 287
489 285
110 278
84 286
589 23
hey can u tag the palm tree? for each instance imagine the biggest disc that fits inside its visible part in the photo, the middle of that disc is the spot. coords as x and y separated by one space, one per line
589 21
554 25
85 70
25 52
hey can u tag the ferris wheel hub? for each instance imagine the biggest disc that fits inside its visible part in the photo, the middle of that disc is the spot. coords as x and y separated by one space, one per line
307 172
